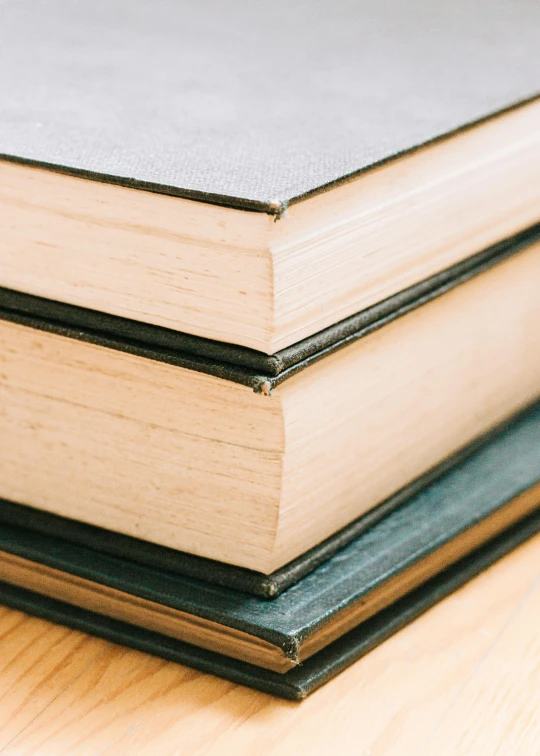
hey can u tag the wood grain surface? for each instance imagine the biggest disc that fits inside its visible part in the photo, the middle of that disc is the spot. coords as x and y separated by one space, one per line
462 680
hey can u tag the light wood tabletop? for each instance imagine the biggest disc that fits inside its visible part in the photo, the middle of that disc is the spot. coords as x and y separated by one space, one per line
463 679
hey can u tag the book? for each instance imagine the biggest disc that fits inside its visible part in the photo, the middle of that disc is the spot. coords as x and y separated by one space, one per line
220 573
311 674
443 536
255 182
261 336
128 438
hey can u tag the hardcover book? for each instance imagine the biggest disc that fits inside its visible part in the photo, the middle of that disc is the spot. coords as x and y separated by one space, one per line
441 537
255 178
220 573
134 437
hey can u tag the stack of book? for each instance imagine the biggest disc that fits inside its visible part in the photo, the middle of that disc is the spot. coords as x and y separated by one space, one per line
269 320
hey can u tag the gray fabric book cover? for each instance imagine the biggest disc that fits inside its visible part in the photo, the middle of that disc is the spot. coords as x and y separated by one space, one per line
249 104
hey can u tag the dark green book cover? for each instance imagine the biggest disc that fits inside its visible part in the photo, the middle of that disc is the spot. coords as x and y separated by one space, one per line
424 547
316 671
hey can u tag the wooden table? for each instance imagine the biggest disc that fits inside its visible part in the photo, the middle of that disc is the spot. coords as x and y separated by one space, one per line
464 679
